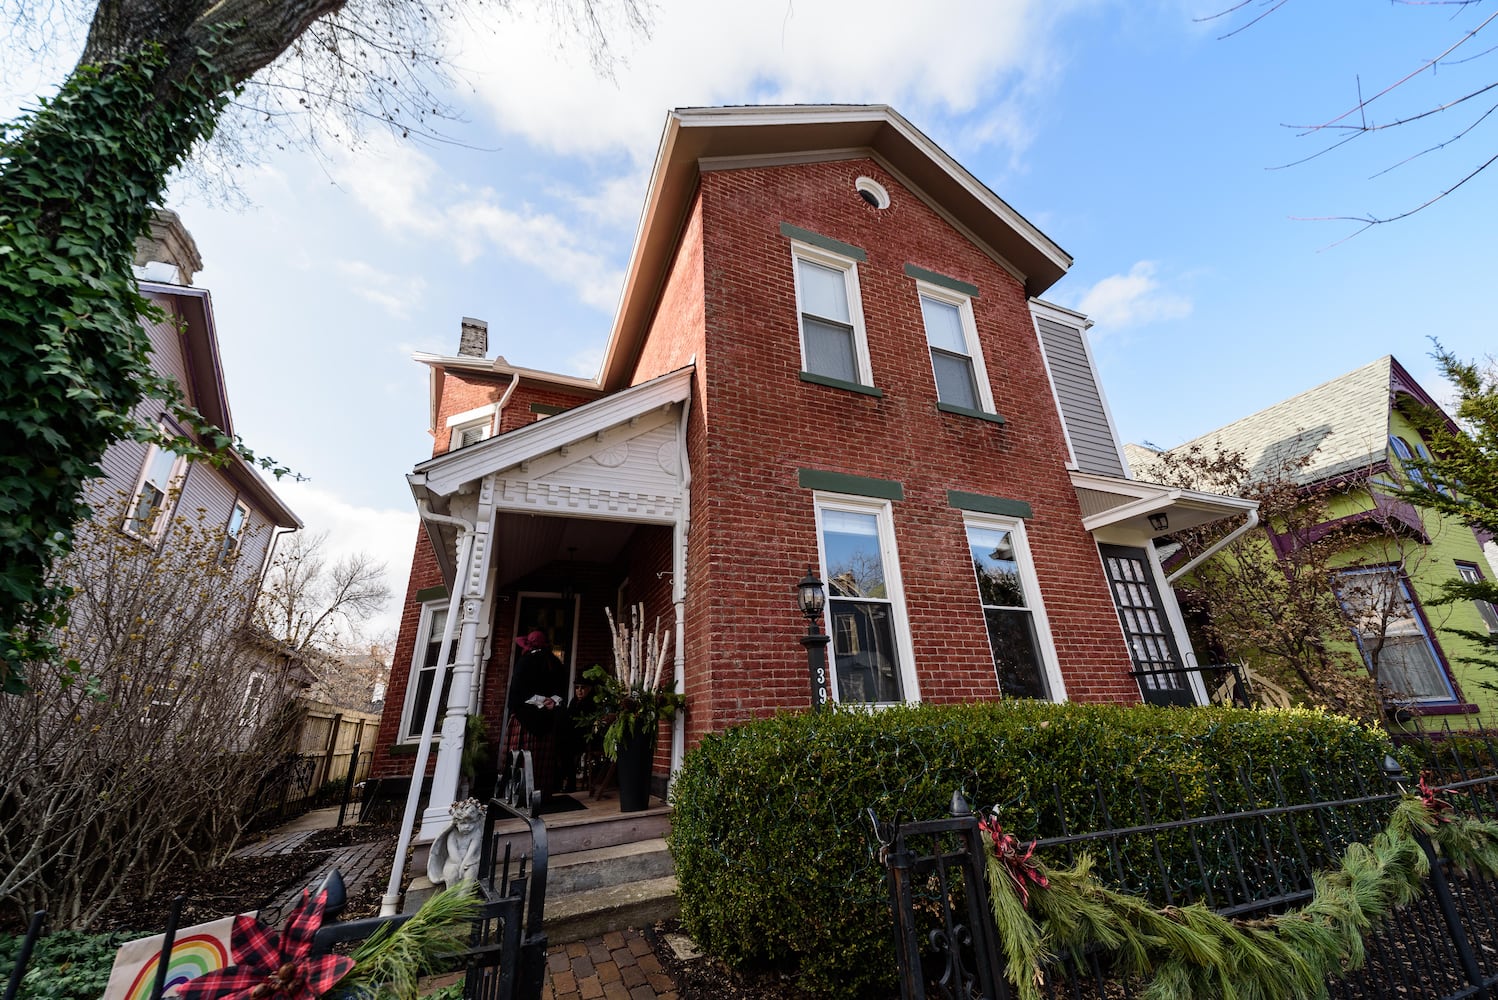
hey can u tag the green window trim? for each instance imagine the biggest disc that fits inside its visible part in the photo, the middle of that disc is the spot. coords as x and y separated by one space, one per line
934 278
436 593
965 411
822 242
547 410
842 482
978 503
837 383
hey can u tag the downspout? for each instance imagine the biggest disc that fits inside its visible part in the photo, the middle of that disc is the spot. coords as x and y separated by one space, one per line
1236 533
391 900
679 586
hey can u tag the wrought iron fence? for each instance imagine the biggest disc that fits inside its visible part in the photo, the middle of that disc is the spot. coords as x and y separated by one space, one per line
1243 862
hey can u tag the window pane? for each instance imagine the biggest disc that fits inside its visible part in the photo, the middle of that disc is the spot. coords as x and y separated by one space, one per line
866 657
159 472
236 523
998 570
855 567
824 291
1407 668
1472 574
1016 657
954 379
829 349
943 326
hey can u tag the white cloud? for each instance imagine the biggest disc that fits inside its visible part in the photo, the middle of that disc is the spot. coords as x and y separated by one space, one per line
400 186
387 535
951 58
1123 300
394 293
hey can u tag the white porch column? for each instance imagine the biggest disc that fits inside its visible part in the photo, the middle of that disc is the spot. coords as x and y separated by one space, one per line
473 579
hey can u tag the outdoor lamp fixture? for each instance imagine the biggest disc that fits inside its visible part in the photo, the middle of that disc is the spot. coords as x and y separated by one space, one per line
812 598
1159 522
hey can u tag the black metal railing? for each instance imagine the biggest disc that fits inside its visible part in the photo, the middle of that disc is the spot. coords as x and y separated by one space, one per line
1254 859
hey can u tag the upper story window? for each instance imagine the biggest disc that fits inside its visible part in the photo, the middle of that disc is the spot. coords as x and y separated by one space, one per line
1471 574
160 477
1391 633
469 433
833 343
956 358
1009 596
234 531
872 658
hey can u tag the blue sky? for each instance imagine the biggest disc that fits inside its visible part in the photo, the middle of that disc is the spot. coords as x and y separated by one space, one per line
1133 134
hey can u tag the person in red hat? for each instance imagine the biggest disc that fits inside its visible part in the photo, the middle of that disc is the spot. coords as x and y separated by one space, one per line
538 700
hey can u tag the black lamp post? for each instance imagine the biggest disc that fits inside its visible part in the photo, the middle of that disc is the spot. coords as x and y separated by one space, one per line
811 598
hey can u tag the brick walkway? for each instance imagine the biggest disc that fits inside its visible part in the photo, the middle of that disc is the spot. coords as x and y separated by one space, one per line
617 966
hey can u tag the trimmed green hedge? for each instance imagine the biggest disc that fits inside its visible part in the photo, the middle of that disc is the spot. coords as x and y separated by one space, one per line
775 857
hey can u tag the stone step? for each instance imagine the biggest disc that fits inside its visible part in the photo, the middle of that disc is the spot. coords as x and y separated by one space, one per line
581 871
582 831
578 915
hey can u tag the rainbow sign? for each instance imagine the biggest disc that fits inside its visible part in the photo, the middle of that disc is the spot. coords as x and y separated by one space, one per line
195 951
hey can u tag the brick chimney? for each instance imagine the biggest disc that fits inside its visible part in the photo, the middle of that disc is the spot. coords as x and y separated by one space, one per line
166 252
473 342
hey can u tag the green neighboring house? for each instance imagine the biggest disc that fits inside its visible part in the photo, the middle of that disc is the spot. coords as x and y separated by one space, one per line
1355 432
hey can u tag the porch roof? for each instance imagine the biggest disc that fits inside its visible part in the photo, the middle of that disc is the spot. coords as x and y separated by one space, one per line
583 471
1108 501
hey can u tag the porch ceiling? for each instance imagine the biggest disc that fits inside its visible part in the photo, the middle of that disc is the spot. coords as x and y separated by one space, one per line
1110 502
527 542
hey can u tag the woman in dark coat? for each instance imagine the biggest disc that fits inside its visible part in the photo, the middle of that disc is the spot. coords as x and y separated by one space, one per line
538 698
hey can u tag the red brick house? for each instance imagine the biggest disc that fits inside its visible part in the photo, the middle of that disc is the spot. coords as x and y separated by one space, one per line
830 351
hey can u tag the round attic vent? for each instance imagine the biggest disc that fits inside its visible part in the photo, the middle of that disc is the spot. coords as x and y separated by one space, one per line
872 192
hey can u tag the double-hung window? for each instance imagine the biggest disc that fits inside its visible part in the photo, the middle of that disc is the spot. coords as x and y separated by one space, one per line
833 345
234 532
1018 635
424 672
1391 634
956 358
871 652
161 475
1471 574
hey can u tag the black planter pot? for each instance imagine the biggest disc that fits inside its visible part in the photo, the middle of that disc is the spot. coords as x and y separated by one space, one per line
636 754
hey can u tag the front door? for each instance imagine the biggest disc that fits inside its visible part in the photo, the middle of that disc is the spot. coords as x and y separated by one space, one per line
1152 644
556 615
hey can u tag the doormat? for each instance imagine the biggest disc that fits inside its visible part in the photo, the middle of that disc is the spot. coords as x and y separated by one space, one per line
559 804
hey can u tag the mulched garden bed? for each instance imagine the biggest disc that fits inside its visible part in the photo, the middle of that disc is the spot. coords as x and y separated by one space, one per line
706 978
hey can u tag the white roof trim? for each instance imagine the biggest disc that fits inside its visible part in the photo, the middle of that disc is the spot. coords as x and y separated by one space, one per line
446 474
1151 498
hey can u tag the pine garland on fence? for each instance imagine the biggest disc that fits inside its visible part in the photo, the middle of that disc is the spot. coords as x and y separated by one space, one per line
1188 952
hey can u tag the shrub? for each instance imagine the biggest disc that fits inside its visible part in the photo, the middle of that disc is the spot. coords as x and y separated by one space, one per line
775 857
66 965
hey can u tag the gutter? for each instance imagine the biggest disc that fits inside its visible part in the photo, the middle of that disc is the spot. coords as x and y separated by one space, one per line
1232 536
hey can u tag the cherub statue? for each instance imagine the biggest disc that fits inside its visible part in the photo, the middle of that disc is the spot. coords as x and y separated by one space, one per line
455 852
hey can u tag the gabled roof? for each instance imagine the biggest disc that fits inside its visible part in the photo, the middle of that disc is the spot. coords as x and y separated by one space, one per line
704 138
1338 428
207 394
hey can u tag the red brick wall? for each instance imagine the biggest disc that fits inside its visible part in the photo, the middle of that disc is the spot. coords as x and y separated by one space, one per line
753 530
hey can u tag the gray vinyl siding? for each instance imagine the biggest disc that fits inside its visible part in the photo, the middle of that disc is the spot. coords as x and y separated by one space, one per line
1082 407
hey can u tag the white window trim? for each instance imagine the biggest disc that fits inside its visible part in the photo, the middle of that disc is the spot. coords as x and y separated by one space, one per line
883 512
168 503
479 416
1049 661
849 267
964 304
423 638
232 542
1417 612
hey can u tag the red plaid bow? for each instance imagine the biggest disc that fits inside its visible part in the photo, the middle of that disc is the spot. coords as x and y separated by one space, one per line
1022 866
272 965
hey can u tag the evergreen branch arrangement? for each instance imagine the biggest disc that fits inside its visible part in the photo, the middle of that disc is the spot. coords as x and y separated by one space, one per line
388 963
1187 952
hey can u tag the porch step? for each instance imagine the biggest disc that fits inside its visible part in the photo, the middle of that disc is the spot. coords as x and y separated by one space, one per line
568 833
579 915
582 871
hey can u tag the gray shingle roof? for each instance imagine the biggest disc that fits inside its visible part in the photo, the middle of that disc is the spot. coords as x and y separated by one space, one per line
1343 425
